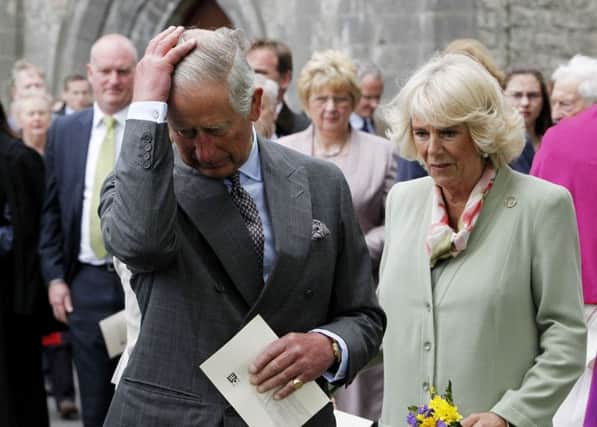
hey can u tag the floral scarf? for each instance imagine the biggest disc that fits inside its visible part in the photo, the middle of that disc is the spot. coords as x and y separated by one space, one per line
442 242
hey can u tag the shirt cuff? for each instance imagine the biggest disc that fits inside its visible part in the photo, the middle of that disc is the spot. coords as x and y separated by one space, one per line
340 373
151 111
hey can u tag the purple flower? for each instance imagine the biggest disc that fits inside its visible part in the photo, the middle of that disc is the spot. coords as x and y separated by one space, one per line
440 423
423 409
411 420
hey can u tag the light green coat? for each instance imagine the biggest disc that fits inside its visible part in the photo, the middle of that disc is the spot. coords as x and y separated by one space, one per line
505 320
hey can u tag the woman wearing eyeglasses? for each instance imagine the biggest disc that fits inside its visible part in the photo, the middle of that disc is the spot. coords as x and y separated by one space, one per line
526 91
329 91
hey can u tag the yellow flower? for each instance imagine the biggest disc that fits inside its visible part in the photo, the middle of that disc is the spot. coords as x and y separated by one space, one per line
443 411
428 422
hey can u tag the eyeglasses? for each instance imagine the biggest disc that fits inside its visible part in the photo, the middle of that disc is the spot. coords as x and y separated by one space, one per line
531 96
339 101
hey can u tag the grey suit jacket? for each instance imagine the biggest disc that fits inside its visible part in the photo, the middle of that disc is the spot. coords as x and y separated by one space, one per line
197 280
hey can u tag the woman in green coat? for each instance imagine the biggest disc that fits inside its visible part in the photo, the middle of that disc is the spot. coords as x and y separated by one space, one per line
480 275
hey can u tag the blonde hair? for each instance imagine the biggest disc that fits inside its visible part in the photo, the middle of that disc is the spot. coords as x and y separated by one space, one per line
450 90
328 69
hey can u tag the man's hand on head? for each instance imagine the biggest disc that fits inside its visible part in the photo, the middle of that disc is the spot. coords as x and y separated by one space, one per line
153 75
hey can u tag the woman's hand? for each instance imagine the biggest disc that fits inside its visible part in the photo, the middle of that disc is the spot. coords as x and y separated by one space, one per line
484 419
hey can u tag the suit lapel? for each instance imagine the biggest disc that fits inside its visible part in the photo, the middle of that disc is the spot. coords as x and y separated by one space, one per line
79 149
210 208
289 204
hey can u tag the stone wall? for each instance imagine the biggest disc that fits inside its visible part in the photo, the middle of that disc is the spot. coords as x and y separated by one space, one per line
397 34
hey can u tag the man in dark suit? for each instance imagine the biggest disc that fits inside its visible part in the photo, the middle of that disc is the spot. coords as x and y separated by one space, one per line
274 60
229 227
366 117
76 95
83 287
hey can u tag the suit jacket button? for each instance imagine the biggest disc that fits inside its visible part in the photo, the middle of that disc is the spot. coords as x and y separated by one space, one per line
147 156
146 137
218 287
308 293
147 164
147 146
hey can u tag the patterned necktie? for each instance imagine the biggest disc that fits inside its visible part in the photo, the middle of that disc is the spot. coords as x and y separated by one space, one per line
104 165
248 210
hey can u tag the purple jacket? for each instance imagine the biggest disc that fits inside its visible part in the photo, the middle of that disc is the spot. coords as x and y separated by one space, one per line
568 156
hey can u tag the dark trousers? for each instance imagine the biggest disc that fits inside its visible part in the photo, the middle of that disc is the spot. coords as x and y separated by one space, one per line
59 358
96 293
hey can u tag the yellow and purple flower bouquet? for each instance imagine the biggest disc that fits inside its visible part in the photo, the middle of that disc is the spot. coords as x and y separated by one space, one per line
439 412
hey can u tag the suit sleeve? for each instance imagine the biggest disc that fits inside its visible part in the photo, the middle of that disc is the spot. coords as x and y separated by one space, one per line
138 206
356 314
51 240
556 288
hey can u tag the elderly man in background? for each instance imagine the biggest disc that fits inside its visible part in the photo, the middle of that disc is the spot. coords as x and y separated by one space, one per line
365 117
273 59
266 123
229 227
83 287
574 87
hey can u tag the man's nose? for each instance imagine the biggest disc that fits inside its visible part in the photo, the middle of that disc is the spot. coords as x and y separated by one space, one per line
204 147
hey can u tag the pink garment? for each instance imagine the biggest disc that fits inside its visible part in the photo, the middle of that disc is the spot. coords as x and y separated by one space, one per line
568 156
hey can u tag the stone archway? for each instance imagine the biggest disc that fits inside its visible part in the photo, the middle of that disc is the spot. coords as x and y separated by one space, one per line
139 20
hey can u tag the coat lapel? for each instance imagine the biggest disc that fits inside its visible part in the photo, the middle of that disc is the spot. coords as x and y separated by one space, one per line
491 206
289 204
210 208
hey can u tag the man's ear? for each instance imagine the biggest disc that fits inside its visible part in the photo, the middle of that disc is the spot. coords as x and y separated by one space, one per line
256 104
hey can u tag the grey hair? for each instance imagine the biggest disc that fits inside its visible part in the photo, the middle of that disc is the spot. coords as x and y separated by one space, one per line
270 88
584 70
218 57
368 68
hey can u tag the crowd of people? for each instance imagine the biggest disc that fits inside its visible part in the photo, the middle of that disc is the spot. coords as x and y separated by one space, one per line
446 237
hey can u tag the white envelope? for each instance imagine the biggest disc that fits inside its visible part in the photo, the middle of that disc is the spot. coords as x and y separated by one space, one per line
114 332
228 370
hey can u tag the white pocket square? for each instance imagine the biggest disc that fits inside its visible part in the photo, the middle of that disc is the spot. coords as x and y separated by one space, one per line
319 230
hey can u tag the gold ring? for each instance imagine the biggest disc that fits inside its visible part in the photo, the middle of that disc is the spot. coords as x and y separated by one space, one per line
296 384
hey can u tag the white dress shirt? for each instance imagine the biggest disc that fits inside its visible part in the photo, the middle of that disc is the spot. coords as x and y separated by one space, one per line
98 132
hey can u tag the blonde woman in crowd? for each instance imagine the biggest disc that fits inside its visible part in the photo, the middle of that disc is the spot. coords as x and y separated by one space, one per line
472 278
34 115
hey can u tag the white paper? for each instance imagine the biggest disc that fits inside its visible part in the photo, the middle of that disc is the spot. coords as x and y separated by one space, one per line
228 370
344 419
114 331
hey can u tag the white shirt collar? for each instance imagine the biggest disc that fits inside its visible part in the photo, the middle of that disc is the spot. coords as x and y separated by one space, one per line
98 115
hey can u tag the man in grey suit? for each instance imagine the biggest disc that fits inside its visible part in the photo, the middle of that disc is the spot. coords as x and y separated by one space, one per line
223 228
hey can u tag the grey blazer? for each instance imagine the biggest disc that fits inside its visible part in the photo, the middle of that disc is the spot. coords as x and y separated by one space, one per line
196 275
